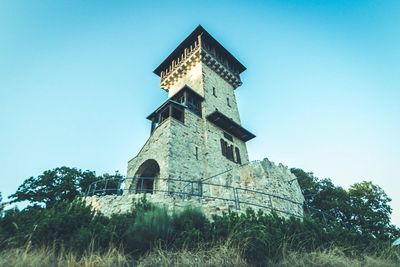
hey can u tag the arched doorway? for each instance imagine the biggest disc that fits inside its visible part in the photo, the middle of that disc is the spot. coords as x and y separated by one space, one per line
145 176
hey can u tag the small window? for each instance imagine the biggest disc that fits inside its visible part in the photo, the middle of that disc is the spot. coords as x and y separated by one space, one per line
197 152
228 136
229 153
227 102
191 100
214 92
223 147
164 115
238 159
178 114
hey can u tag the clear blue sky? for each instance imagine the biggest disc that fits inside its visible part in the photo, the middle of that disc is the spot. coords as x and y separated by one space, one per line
321 91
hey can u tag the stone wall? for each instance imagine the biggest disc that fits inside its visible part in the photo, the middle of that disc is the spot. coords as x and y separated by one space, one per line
223 90
193 78
257 185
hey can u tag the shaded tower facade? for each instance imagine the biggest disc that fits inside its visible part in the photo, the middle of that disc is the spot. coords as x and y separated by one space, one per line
196 134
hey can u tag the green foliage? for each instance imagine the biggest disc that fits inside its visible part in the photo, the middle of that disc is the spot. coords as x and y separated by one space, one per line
262 238
64 184
358 219
1 205
150 228
191 227
363 209
370 211
52 226
53 186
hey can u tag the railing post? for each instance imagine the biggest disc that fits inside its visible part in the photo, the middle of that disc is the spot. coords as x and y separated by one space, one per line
270 201
88 191
105 187
201 189
119 191
237 199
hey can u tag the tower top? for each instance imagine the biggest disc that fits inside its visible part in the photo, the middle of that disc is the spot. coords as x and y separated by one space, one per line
201 44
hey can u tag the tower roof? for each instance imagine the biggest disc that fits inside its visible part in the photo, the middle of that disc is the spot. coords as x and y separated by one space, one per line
207 38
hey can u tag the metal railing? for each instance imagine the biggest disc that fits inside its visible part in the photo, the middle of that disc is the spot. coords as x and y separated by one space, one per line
189 188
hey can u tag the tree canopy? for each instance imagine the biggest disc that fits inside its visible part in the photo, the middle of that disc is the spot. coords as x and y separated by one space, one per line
59 184
364 207
1 204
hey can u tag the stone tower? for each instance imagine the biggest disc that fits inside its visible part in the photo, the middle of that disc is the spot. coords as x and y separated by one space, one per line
196 154
196 133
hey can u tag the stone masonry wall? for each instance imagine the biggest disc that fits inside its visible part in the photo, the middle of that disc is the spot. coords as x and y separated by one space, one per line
193 78
157 148
277 188
184 139
223 90
216 162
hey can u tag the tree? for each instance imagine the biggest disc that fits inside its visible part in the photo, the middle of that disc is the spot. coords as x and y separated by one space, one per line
1 205
322 198
370 210
364 208
54 185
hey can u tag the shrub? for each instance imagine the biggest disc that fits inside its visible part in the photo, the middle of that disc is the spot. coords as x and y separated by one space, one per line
150 228
191 227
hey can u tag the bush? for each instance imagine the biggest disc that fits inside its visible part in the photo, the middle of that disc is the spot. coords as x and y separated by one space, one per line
262 238
191 227
150 228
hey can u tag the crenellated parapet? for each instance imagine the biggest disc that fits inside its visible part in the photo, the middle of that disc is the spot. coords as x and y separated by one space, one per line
179 66
199 46
223 70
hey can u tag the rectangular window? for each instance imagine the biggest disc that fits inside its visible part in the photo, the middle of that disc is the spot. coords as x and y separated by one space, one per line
178 114
164 115
238 159
229 153
194 105
197 152
223 147
227 102
214 92
181 99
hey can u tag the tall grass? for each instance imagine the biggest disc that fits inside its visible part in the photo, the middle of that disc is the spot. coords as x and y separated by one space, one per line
226 254
340 257
43 257
219 255
153 237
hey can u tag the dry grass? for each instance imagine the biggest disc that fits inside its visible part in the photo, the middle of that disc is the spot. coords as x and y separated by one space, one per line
221 255
26 257
336 257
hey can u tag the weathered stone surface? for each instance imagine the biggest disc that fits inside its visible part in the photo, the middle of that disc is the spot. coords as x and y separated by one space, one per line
259 185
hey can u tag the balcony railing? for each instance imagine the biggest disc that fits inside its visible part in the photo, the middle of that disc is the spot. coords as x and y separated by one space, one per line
188 188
